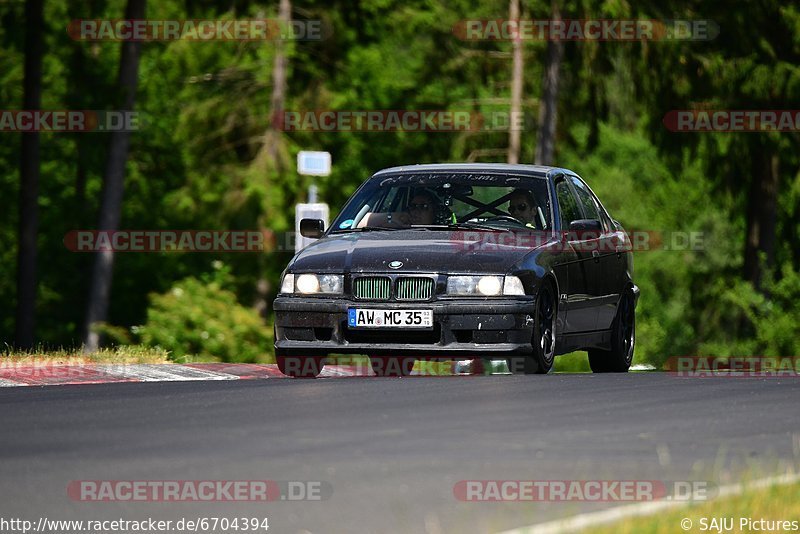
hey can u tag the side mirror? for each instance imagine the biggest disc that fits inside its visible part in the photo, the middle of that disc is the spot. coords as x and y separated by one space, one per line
312 228
585 229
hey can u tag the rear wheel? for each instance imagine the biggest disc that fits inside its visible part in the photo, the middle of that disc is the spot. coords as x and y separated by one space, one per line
544 337
391 365
623 340
300 366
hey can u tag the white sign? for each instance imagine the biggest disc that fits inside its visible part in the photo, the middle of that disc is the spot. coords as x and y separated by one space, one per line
308 211
314 163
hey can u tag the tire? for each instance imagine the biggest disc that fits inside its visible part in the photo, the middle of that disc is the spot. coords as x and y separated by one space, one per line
544 337
300 366
391 365
623 340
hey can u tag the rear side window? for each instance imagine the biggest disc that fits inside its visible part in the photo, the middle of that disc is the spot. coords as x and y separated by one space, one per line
567 204
592 205
586 200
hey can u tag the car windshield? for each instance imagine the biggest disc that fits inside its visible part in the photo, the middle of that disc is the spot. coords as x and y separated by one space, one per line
441 200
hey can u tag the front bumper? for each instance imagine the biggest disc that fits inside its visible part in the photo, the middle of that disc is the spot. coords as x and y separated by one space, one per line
317 326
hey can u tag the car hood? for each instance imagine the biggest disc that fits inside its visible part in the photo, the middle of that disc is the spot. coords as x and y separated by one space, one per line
454 251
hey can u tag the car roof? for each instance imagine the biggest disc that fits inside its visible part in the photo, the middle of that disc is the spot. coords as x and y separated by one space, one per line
540 171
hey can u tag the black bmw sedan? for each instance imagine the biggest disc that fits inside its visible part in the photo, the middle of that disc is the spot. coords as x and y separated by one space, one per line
455 261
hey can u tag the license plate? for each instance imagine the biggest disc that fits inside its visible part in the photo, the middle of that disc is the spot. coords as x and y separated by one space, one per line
369 318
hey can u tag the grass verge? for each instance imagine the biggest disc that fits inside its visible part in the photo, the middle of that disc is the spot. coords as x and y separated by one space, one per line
120 355
776 503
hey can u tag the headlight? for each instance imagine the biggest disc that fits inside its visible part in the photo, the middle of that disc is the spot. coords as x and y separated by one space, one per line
307 283
484 285
331 284
490 285
313 284
287 286
513 286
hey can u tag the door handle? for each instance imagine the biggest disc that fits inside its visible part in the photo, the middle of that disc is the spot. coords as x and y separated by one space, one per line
596 255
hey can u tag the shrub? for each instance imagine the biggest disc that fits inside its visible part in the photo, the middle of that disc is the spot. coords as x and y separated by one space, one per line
201 317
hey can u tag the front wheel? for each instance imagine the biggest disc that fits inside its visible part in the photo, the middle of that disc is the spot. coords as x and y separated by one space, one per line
623 340
391 366
544 337
300 366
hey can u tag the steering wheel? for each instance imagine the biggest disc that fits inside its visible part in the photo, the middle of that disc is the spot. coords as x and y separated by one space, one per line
507 218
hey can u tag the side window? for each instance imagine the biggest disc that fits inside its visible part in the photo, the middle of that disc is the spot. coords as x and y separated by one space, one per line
604 218
566 203
608 224
587 202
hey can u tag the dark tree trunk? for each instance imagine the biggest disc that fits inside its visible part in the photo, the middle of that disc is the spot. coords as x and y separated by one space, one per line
272 142
516 88
278 97
29 180
77 100
761 214
594 119
113 185
548 109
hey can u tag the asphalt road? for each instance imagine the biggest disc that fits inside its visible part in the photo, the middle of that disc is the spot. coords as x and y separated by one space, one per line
390 449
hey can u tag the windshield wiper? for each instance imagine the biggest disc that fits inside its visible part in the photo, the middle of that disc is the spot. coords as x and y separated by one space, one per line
361 229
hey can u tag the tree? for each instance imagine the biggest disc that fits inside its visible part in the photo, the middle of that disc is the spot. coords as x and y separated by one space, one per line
113 185
548 110
272 149
516 87
29 179
762 213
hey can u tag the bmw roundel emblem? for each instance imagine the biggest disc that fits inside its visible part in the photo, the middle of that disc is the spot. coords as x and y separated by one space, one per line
395 264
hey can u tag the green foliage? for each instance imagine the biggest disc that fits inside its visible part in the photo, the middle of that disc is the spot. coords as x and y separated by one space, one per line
201 317
770 316
693 300
574 362
200 161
